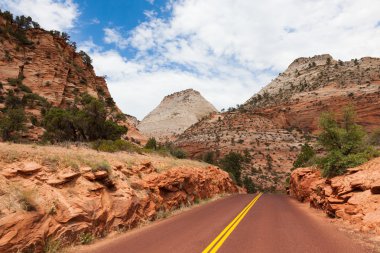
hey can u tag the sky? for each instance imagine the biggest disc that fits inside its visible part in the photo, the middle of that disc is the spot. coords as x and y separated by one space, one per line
226 49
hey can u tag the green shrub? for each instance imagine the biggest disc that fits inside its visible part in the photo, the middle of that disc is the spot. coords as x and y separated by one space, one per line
151 144
99 166
232 163
374 138
87 124
178 153
344 143
12 101
86 238
52 246
12 123
249 185
305 156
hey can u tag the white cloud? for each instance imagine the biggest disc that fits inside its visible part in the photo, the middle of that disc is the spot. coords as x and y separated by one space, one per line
113 36
50 14
228 49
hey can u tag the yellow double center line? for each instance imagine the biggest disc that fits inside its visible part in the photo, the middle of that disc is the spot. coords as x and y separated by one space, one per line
219 240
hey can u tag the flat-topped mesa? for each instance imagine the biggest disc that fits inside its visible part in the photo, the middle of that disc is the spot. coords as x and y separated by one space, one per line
175 114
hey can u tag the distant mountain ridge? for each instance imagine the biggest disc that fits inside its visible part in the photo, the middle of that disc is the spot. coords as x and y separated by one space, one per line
270 127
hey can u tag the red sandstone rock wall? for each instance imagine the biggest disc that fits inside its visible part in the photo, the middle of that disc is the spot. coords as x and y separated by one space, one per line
52 69
354 197
68 203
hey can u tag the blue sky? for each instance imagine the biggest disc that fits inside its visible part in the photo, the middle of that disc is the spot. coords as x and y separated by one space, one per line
124 15
227 50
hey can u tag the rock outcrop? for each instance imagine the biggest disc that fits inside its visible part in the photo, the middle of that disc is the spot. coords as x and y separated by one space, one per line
58 195
271 126
354 197
175 114
44 69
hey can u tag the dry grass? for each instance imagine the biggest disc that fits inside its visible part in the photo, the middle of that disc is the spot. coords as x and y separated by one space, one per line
71 156
15 197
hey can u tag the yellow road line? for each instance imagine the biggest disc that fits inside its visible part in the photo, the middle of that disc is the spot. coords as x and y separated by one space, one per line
219 240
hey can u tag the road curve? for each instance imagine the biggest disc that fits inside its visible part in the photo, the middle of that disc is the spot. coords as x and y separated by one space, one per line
273 224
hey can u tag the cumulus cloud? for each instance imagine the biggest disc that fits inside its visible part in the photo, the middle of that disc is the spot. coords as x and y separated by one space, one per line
50 14
228 50
113 36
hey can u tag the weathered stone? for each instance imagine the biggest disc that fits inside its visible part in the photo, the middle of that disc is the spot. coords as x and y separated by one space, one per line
89 176
100 174
29 168
353 196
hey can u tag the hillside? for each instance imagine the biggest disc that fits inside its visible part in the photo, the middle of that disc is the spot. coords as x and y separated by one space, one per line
271 126
41 69
175 114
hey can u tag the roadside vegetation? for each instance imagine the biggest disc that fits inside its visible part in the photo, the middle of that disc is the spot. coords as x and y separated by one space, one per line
88 124
233 164
344 144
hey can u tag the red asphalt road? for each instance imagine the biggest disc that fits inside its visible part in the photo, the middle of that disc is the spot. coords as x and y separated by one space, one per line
274 224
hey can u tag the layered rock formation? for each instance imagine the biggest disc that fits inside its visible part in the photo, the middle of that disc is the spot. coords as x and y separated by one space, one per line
58 196
354 197
175 114
37 65
270 127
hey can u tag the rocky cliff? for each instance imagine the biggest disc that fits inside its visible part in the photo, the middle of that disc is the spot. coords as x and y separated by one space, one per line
43 68
53 196
353 197
270 127
175 114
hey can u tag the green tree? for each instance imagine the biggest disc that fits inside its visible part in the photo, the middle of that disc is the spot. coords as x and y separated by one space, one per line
12 123
232 163
60 126
306 154
344 143
249 185
151 144
87 124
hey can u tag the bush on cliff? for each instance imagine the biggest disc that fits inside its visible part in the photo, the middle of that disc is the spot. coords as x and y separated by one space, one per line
344 143
305 157
12 123
87 124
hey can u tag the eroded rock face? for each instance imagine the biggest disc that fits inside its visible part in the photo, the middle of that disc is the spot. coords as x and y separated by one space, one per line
270 127
52 69
175 114
353 196
45 206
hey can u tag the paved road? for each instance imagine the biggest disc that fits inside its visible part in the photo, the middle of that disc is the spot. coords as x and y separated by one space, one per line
274 223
